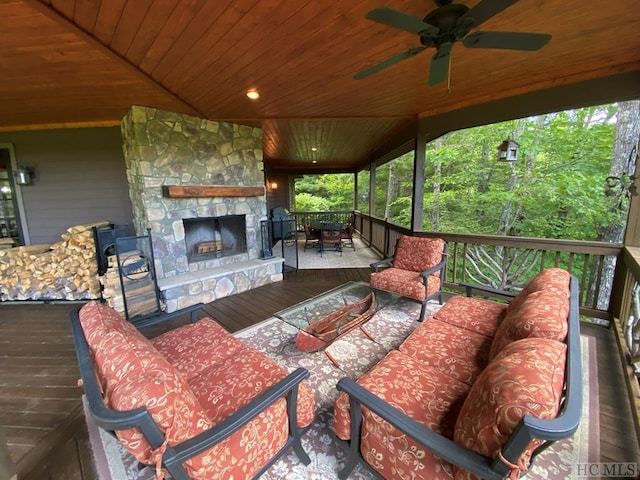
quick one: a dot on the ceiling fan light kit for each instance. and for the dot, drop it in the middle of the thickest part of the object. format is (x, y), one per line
(446, 25)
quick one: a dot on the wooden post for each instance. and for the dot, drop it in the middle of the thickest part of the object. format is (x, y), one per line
(419, 151)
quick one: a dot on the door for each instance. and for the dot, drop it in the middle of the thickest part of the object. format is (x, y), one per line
(10, 226)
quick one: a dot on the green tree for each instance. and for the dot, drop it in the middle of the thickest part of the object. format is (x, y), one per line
(335, 190)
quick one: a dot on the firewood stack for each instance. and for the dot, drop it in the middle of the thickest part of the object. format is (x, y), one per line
(65, 270)
(138, 283)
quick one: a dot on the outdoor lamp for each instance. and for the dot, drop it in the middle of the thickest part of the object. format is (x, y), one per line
(24, 175)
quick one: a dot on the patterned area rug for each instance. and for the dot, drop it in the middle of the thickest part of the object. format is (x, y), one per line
(310, 259)
(356, 354)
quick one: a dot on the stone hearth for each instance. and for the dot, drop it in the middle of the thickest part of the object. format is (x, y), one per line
(164, 151)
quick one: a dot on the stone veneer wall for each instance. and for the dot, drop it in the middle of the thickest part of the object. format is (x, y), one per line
(165, 148)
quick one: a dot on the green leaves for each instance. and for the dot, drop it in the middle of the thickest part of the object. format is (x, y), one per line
(555, 189)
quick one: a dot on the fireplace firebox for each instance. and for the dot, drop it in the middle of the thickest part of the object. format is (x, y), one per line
(209, 238)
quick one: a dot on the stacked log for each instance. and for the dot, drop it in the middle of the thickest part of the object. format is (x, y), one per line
(65, 270)
(138, 284)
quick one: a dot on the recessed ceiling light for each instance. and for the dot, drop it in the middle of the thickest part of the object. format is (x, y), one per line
(253, 94)
(314, 149)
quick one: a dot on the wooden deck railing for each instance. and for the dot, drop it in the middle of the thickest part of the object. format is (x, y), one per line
(508, 262)
(310, 218)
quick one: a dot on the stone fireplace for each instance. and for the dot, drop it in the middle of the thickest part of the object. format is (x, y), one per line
(199, 186)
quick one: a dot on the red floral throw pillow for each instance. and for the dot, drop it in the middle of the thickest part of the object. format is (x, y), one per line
(526, 378)
(541, 315)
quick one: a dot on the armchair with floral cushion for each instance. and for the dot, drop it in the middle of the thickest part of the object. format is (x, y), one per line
(416, 270)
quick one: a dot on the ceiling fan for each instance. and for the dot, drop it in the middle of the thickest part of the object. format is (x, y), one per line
(447, 24)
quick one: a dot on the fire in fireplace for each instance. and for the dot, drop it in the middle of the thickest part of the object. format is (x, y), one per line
(208, 238)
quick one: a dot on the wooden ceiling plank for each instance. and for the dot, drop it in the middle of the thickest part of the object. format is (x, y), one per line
(128, 26)
(65, 7)
(107, 21)
(242, 41)
(86, 14)
(292, 78)
(189, 38)
(93, 42)
(154, 22)
(175, 25)
(258, 64)
(213, 40)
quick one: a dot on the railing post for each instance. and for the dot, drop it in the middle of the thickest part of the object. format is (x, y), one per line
(419, 152)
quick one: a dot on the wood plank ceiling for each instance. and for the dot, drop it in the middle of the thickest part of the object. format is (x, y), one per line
(69, 63)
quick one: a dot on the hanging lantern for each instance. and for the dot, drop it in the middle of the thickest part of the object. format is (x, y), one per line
(508, 151)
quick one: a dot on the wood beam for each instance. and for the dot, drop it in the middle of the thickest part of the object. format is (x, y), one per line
(211, 191)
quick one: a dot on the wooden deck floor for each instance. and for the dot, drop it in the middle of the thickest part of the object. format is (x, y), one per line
(41, 415)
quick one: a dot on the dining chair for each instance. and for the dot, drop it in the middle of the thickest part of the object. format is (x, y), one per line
(311, 236)
(331, 235)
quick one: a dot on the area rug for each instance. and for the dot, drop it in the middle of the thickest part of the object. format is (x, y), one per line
(310, 259)
(356, 353)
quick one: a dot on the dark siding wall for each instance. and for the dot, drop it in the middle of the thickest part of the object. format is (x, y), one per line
(280, 196)
(80, 179)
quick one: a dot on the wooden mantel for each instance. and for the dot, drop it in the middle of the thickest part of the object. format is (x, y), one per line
(210, 191)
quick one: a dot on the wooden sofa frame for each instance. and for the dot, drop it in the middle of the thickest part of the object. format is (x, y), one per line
(549, 431)
(174, 456)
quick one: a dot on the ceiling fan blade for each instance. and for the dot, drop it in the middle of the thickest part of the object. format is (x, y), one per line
(440, 64)
(388, 62)
(507, 40)
(483, 11)
(401, 20)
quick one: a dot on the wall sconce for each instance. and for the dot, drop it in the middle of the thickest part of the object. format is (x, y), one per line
(274, 185)
(25, 175)
(508, 151)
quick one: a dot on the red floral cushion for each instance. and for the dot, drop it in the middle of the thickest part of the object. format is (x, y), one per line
(542, 314)
(420, 391)
(456, 352)
(418, 253)
(232, 383)
(473, 314)
(98, 319)
(194, 347)
(549, 279)
(526, 378)
(404, 282)
(246, 451)
(138, 376)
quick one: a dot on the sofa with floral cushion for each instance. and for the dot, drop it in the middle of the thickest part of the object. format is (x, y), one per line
(195, 401)
(476, 391)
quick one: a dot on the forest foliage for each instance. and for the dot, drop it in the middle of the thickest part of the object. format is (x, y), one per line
(557, 188)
